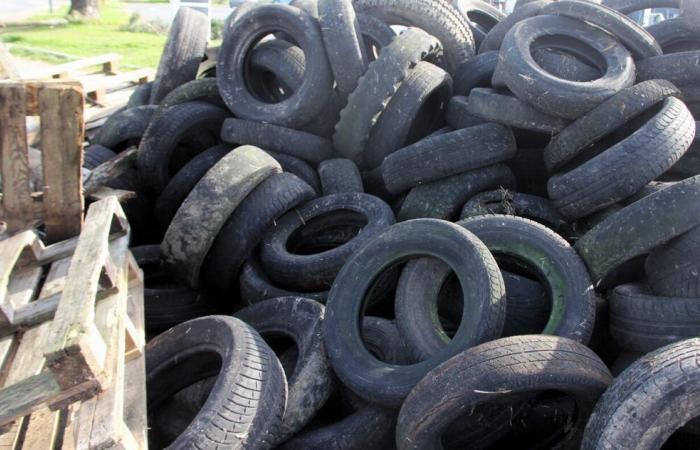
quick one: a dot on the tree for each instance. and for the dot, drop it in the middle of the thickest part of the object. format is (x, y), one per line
(85, 8)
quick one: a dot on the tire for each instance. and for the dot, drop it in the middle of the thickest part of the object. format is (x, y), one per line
(551, 260)
(674, 36)
(502, 201)
(176, 413)
(442, 199)
(344, 44)
(307, 101)
(275, 138)
(414, 112)
(562, 65)
(246, 226)
(529, 170)
(641, 322)
(141, 96)
(166, 303)
(690, 11)
(339, 176)
(316, 271)
(184, 181)
(678, 68)
(204, 89)
(189, 237)
(160, 141)
(438, 157)
(637, 40)
(95, 154)
(609, 116)
(482, 17)
(438, 18)
(493, 106)
(513, 367)
(255, 286)
(125, 127)
(388, 385)
(376, 87)
(383, 340)
(630, 6)
(556, 96)
(672, 269)
(458, 117)
(477, 72)
(247, 402)
(655, 219)
(298, 167)
(184, 50)
(375, 34)
(494, 38)
(311, 382)
(626, 167)
(650, 400)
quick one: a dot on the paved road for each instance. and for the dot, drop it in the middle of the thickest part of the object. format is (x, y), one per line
(163, 12)
(13, 10)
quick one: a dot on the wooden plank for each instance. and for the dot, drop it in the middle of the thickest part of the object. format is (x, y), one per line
(95, 83)
(61, 112)
(41, 430)
(72, 67)
(135, 371)
(14, 154)
(8, 68)
(15, 252)
(33, 87)
(78, 351)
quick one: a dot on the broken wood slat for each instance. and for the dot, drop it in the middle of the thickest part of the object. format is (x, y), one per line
(108, 61)
(61, 112)
(94, 83)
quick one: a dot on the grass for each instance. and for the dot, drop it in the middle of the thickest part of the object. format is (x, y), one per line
(88, 38)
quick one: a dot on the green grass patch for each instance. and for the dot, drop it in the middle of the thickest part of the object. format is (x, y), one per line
(88, 38)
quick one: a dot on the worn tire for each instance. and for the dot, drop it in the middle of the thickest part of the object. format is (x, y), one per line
(298, 167)
(246, 404)
(255, 286)
(482, 17)
(125, 127)
(630, 6)
(494, 38)
(678, 68)
(673, 270)
(141, 96)
(189, 237)
(690, 12)
(184, 50)
(447, 154)
(476, 72)
(458, 117)
(339, 175)
(204, 89)
(95, 154)
(503, 201)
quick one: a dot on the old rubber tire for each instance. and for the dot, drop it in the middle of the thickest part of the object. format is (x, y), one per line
(457, 115)
(630, 6)
(512, 367)
(302, 106)
(494, 38)
(673, 269)
(255, 285)
(94, 155)
(140, 96)
(503, 201)
(655, 219)
(476, 72)
(311, 382)
(678, 68)
(447, 154)
(247, 225)
(125, 127)
(358, 369)
(339, 175)
(190, 236)
(316, 271)
(649, 401)
(246, 404)
(184, 50)
(205, 89)
(690, 12)
(298, 167)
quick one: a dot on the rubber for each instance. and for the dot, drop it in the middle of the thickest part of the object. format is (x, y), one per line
(205, 89)
(184, 50)
(637, 40)
(436, 17)
(246, 404)
(448, 154)
(457, 115)
(375, 34)
(503, 201)
(482, 17)
(641, 322)
(300, 144)
(185, 179)
(494, 106)
(656, 219)
(380, 382)
(605, 119)
(556, 96)
(339, 175)
(298, 167)
(246, 226)
(673, 35)
(140, 96)
(672, 269)
(316, 271)
(476, 72)
(552, 261)
(378, 85)
(689, 14)
(443, 199)
(281, 59)
(307, 101)
(627, 166)
(494, 38)
(95, 154)
(653, 398)
(189, 237)
(255, 285)
(414, 112)
(383, 340)
(630, 6)
(344, 44)
(511, 367)
(125, 127)
(678, 68)
(160, 141)
(311, 382)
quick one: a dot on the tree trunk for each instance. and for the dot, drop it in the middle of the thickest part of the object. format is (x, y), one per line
(85, 8)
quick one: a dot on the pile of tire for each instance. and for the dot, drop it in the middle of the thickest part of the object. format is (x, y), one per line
(370, 224)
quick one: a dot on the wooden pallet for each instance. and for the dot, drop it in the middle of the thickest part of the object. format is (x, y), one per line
(76, 380)
(58, 202)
